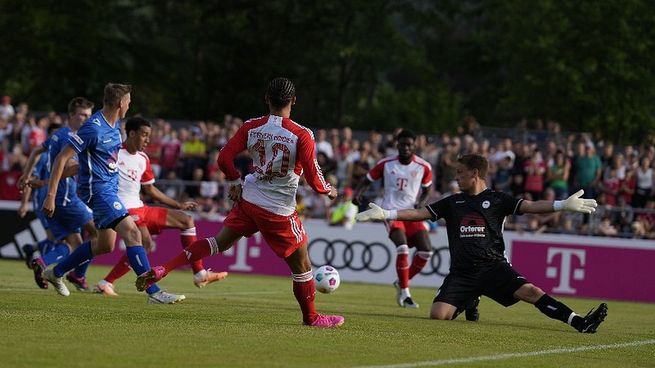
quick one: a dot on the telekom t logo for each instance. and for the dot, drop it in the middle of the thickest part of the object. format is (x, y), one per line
(565, 268)
(401, 183)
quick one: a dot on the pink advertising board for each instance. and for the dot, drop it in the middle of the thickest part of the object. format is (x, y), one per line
(251, 255)
(604, 271)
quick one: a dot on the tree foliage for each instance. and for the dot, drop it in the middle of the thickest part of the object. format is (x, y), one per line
(363, 63)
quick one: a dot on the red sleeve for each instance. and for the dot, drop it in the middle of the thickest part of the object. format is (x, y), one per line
(427, 176)
(234, 146)
(377, 171)
(307, 156)
(148, 177)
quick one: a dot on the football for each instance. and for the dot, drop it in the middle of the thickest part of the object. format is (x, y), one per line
(326, 279)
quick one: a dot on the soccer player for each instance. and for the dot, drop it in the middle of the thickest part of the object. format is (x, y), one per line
(97, 143)
(135, 173)
(407, 181)
(72, 214)
(474, 222)
(37, 195)
(266, 200)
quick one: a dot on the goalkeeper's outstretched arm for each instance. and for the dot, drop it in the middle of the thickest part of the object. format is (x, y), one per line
(377, 213)
(574, 203)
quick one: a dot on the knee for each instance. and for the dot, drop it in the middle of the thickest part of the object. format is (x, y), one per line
(529, 293)
(441, 315)
(132, 236)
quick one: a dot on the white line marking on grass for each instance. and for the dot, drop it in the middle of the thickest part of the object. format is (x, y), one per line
(512, 355)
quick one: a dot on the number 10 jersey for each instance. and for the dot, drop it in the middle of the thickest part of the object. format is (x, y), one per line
(281, 150)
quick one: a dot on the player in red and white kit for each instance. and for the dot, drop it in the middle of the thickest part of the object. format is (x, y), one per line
(404, 175)
(135, 173)
(282, 150)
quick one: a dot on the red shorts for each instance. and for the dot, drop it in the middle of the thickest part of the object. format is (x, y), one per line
(154, 218)
(284, 234)
(410, 228)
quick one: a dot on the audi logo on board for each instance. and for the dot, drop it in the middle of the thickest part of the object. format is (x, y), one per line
(373, 257)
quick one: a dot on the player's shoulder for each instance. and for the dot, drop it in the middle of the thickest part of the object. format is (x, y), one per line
(255, 122)
(143, 155)
(297, 128)
(421, 161)
(388, 160)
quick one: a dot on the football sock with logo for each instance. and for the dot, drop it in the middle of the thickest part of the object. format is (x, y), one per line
(80, 270)
(194, 252)
(58, 253)
(304, 291)
(138, 259)
(188, 237)
(557, 310)
(121, 268)
(402, 265)
(418, 262)
(82, 254)
(45, 246)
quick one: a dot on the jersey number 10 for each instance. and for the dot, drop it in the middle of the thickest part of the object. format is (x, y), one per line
(264, 160)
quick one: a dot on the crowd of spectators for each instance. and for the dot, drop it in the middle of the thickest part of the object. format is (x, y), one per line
(537, 163)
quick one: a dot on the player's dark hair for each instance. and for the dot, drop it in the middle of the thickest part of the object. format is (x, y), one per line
(280, 92)
(114, 92)
(473, 161)
(79, 103)
(52, 127)
(135, 123)
(406, 134)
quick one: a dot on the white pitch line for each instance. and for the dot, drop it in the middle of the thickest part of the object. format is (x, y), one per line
(511, 355)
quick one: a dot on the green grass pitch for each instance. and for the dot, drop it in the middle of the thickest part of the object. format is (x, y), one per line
(254, 321)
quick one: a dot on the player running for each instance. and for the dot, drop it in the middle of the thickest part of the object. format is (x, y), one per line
(266, 201)
(72, 214)
(135, 173)
(407, 180)
(97, 143)
(474, 222)
(36, 195)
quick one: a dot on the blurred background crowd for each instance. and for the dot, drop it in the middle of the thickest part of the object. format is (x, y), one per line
(535, 160)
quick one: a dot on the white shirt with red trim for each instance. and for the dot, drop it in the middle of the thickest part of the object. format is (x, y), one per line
(281, 150)
(402, 183)
(133, 171)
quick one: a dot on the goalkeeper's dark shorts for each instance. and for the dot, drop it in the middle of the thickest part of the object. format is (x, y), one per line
(498, 282)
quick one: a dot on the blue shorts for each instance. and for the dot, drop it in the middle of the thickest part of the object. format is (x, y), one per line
(69, 219)
(37, 203)
(108, 210)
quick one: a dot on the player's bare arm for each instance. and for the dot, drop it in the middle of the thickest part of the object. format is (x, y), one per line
(29, 166)
(423, 198)
(160, 197)
(25, 195)
(57, 170)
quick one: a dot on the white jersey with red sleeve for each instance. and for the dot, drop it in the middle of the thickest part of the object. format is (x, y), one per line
(281, 150)
(402, 183)
(133, 171)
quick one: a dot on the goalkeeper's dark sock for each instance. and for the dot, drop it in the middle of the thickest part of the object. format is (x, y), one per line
(558, 310)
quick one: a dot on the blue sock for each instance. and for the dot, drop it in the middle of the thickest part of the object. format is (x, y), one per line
(82, 254)
(45, 246)
(80, 270)
(140, 264)
(58, 253)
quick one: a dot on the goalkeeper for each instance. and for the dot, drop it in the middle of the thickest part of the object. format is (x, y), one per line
(474, 222)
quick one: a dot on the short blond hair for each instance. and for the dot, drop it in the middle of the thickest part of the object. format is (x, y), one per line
(114, 92)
